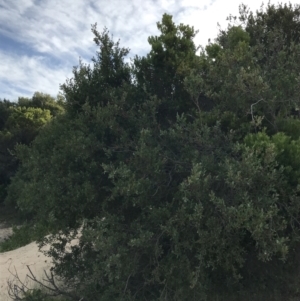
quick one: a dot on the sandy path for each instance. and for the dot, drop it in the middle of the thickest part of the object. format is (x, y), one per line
(17, 260)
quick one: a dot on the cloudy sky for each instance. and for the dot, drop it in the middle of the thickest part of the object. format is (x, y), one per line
(41, 40)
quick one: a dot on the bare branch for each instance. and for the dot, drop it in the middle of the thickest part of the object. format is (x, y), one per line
(252, 108)
(17, 288)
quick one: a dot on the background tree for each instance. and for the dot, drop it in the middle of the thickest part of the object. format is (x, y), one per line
(45, 102)
(4, 114)
(19, 124)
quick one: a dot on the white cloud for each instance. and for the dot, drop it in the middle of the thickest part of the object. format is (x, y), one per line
(60, 31)
(29, 74)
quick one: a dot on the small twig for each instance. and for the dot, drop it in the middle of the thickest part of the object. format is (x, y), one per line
(49, 280)
(127, 283)
(14, 290)
(252, 108)
(170, 179)
(155, 192)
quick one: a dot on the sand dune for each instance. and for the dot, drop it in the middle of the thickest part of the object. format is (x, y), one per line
(17, 261)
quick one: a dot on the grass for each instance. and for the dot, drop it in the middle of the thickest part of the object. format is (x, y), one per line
(21, 236)
(23, 232)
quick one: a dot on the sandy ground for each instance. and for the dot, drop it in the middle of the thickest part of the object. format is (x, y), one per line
(17, 261)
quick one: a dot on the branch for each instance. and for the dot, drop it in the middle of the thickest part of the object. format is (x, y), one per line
(18, 291)
(252, 108)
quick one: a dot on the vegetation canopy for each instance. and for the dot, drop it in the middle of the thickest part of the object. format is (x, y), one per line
(181, 168)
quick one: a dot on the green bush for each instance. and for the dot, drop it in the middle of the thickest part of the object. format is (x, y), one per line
(22, 236)
(174, 202)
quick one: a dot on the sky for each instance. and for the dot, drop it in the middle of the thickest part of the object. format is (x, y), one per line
(42, 40)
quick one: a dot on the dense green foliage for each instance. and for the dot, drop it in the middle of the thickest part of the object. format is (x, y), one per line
(181, 169)
(162, 71)
(19, 124)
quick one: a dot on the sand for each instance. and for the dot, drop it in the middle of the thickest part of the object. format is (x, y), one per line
(17, 261)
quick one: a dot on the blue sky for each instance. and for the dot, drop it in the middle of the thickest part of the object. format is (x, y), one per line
(41, 40)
